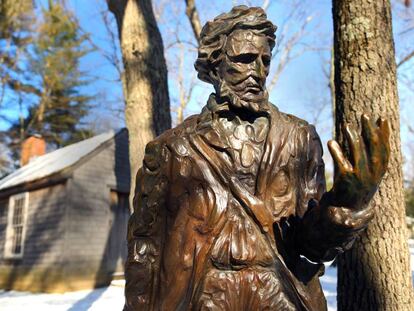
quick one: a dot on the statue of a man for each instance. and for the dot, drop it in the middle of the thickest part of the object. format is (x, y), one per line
(231, 211)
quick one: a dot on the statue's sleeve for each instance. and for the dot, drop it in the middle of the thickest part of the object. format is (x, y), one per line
(145, 231)
(320, 234)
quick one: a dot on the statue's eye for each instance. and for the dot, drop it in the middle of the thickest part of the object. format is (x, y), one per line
(244, 58)
(266, 60)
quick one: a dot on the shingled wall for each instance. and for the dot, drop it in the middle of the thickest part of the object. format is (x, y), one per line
(74, 234)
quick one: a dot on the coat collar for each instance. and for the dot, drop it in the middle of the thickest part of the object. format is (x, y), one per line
(209, 128)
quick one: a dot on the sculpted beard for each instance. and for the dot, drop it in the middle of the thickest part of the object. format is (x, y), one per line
(247, 93)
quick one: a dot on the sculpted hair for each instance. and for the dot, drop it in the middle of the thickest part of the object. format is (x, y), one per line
(214, 36)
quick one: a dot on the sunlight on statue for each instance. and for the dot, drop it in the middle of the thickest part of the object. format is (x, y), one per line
(231, 211)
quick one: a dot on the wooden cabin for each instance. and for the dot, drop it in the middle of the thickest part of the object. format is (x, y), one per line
(63, 216)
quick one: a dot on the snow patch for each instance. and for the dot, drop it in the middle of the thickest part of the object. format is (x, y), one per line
(111, 298)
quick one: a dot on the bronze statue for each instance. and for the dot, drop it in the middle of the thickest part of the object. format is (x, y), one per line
(231, 211)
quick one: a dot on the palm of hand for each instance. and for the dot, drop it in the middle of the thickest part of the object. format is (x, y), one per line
(357, 178)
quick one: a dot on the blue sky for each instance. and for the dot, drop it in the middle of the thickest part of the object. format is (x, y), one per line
(302, 89)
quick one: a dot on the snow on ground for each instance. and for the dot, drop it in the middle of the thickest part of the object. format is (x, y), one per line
(329, 287)
(111, 298)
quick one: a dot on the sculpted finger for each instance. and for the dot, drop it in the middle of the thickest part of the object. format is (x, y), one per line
(384, 128)
(370, 134)
(361, 219)
(340, 161)
(380, 156)
(358, 152)
(353, 143)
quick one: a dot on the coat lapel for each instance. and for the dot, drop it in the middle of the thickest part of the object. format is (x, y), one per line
(277, 150)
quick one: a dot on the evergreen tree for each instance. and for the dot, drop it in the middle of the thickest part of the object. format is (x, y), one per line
(16, 31)
(60, 104)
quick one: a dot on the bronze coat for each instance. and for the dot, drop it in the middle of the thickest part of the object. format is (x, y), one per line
(181, 205)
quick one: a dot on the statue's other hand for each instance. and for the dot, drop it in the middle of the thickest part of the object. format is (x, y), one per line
(357, 178)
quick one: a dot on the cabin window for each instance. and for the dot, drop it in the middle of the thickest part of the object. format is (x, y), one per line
(16, 225)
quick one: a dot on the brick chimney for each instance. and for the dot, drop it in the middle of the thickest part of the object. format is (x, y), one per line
(32, 147)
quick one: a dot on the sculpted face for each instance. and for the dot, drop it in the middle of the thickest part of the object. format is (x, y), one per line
(245, 68)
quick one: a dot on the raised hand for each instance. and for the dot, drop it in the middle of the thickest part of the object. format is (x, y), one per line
(357, 178)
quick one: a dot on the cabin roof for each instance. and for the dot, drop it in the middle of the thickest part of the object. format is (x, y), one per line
(55, 161)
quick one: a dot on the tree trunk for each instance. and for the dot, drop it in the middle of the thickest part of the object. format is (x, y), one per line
(375, 274)
(194, 19)
(147, 111)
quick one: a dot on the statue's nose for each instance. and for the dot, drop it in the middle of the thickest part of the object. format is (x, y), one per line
(260, 68)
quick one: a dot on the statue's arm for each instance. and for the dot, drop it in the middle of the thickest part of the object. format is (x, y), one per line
(334, 218)
(144, 233)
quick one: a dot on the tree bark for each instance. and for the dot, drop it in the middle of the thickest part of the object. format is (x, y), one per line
(147, 111)
(194, 19)
(375, 274)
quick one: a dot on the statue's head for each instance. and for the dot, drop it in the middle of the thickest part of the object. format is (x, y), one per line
(234, 55)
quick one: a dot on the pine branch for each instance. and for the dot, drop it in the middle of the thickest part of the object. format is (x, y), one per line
(22, 87)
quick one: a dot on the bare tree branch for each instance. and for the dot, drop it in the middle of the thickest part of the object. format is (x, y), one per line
(113, 56)
(184, 95)
(180, 78)
(192, 14)
(405, 59)
(159, 9)
(406, 79)
(179, 41)
(286, 51)
(265, 4)
(117, 7)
